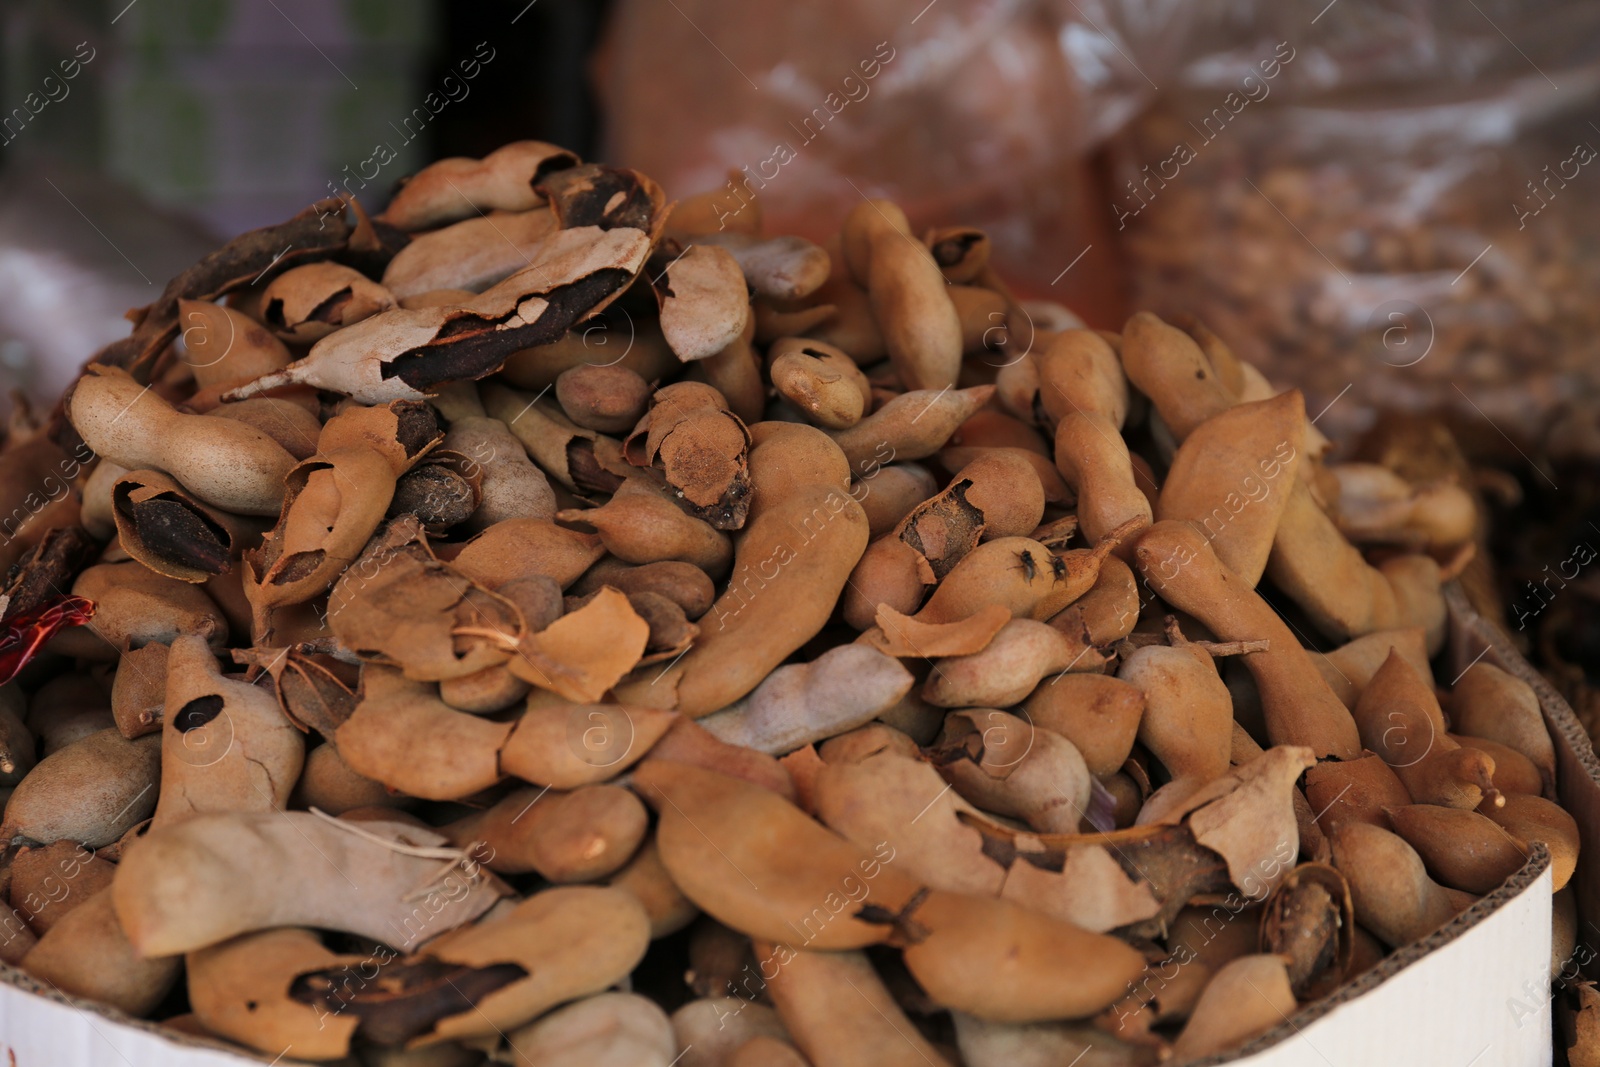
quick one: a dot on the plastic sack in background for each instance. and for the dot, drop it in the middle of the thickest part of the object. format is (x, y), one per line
(1390, 205)
(978, 112)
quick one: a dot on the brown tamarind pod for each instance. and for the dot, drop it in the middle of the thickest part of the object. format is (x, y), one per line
(775, 319)
(581, 836)
(49, 882)
(87, 954)
(686, 741)
(566, 745)
(1393, 895)
(1462, 849)
(888, 575)
(1008, 668)
(91, 791)
(890, 493)
(639, 525)
(1006, 765)
(1494, 704)
(719, 210)
(1166, 365)
(606, 399)
(240, 989)
(913, 425)
(1232, 476)
(800, 703)
(682, 583)
(1348, 668)
(280, 417)
(328, 783)
(1105, 614)
(819, 379)
(1079, 373)
(1094, 460)
(565, 451)
(782, 268)
(700, 447)
(862, 225)
(1246, 997)
(1400, 719)
(62, 712)
(1359, 789)
(646, 877)
(1513, 772)
(1098, 713)
(1018, 573)
(703, 299)
(962, 252)
(1213, 935)
(224, 347)
(1178, 563)
(447, 190)
(524, 548)
(1187, 723)
(468, 256)
(614, 338)
(1534, 819)
(510, 485)
(1309, 920)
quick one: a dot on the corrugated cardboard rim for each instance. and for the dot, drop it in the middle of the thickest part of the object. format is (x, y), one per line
(1471, 638)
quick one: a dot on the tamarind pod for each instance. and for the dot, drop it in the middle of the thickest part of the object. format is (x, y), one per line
(920, 325)
(1005, 765)
(581, 836)
(224, 346)
(1093, 459)
(755, 862)
(515, 549)
(721, 210)
(1213, 935)
(1535, 819)
(981, 314)
(1079, 373)
(240, 990)
(682, 583)
(95, 513)
(607, 399)
(646, 877)
(863, 741)
(610, 339)
(1350, 667)
(888, 575)
(1001, 484)
(798, 704)
(91, 791)
(1105, 614)
(703, 301)
(1393, 895)
(1376, 505)
(1253, 824)
(571, 942)
(890, 493)
(512, 486)
(328, 784)
(565, 745)
(49, 882)
(1053, 485)
(225, 746)
(1232, 372)
(711, 1029)
(1219, 469)
(962, 252)
(1246, 997)
(1003, 962)
(1360, 790)
(686, 741)
(1017, 388)
(1187, 722)
(780, 268)
(65, 710)
(864, 223)
(469, 255)
(447, 190)
(773, 322)
(605, 1030)
(561, 448)
(1310, 920)
(637, 525)
(309, 302)
(1461, 849)
(786, 457)
(1021, 574)
(1009, 668)
(1513, 772)
(1496, 705)
(899, 798)
(819, 379)
(1299, 708)
(212, 877)
(403, 735)
(1098, 713)
(1046, 1044)
(164, 528)
(1400, 719)
(226, 463)
(88, 955)
(1166, 365)
(914, 425)
(991, 428)
(839, 1012)
(279, 417)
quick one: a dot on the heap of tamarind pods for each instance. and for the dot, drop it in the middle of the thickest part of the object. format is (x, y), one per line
(547, 622)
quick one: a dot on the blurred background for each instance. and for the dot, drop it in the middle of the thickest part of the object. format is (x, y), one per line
(1387, 202)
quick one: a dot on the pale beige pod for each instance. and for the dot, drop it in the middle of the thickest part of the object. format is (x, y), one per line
(704, 303)
(780, 268)
(1009, 668)
(88, 955)
(92, 791)
(819, 379)
(224, 346)
(710, 1029)
(605, 1030)
(469, 255)
(512, 486)
(460, 187)
(1496, 705)
(307, 303)
(134, 607)
(1246, 997)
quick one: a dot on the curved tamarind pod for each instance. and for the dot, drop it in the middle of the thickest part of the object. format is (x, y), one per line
(307, 303)
(686, 741)
(1108, 612)
(1461, 849)
(1349, 668)
(1017, 388)
(991, 428)
(279, 417)
(890, 493)
(212, 877)
(1044, 468)
(224, 346)
(459, 187)
(888, 576)
(787, 456)
(839, 1012)
(1246, 997)
(560, 447)
(1534, 819)
(682, 583)
(515, 549)
(327, 782)
(735, 372)
(1400, 720)
(50, 882)
(819, 379)
(702, 296)
(1020, 574)
(1079, 373)
(1360, 790)
(225, 746)
(1232, 476)
(403, 735)
(1319, 569)
(1376, 505)
(798, 704)
(91, 791)
(913, 425)
(470, 255)
(1178, 563)
(1008, 668)
(1213, 935)
(758, 864)
(780, 268)
(982, 315)
(1166, 365)
(1393, 895)
(512, 486)
(646, 877)
(1001, 484)
(240, 989)
(581, 836)
(605, 1030)
(1006, 765)
(1496, 705)
(1094, 460)
(639, 525)
(864, 223)
(225, 463)
(1232, 372)
(1187, 722)
(1098, 713)
(962, 252)
(87, 954)
(606, 399)
(848, 324)
(566, 745)
(1007, 963)
(1513, 772)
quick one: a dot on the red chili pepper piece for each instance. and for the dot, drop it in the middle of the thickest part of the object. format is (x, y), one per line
(22, 635)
